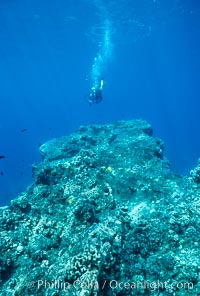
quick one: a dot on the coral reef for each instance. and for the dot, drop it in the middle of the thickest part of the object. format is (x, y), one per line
(105, 215)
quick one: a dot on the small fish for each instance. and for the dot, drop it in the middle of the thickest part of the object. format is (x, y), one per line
(1, 173)
(2, 156)
(23, 130)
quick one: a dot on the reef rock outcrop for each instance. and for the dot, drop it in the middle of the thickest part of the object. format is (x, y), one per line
(105, 215)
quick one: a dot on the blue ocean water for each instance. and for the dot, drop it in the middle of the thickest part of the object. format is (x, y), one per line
(53, 53)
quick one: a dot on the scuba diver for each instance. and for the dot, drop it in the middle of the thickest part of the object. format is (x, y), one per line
(95, 94)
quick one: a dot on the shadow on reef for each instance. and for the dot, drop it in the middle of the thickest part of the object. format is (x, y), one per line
(105, 215)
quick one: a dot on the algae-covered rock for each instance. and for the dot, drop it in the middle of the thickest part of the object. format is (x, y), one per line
(105, 215)
(195, 174)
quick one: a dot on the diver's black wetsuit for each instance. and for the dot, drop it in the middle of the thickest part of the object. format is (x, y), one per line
(95, 96)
